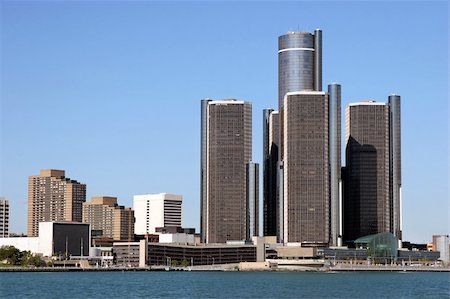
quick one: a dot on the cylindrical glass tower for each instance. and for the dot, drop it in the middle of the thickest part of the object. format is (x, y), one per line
(299, 62)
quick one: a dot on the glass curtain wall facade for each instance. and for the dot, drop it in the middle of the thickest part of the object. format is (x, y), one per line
(381, 248)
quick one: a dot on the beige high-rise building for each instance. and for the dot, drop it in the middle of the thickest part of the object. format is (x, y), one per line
(109, 219)
(4, 217)
(53, 197)
(226, 151)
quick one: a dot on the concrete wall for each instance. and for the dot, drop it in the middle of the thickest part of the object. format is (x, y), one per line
(296, 252)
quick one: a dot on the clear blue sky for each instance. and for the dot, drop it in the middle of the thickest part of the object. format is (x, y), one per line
(110, 91)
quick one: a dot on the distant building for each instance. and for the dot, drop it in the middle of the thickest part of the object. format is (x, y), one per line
(156, 210)
(53, 197)
(174, 234)
(441, 244)
(109, 219)
(372, 183)
(226, 149)
(4, 217)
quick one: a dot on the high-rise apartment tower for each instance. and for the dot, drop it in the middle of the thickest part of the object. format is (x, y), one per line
(108, 219)
(53, 197)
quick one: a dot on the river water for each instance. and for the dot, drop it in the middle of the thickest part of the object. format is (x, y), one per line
(223, 285)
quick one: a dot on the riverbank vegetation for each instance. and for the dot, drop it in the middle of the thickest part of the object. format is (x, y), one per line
(11, 256)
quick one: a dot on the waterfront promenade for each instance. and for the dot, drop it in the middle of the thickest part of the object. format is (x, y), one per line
(237, 267)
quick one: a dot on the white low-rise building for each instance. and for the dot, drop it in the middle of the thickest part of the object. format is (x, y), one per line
(60, 238)
(156, 210)
(178, 238)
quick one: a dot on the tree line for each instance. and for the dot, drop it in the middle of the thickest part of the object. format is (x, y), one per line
(11, 256)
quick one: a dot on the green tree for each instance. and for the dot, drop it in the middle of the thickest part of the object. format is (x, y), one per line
(184, 263)
(11, 254)
(15, 257)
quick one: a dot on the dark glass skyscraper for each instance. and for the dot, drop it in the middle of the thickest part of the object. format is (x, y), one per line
(372, 181)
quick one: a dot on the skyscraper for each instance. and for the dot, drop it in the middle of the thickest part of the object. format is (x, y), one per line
(4, 217)
(270, 160)
(299, 62)
(53, 197)
(226, 148)
(109, 219)
(156, 210)
(372, 182)
(252, 200)
(299, 67)
(306, 168)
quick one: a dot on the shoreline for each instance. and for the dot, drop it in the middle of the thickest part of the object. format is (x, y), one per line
(224, 269)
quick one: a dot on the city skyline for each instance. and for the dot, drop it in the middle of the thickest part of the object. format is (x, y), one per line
(112, 105)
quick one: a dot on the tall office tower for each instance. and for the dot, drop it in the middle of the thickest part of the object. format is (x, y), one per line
(156, 210)
(226, 149)
(108, 219)
(270, 157)
(372, 182)
(299, 69)
(306, 168)
(4, 217)
(334, 92)
(252, 200)
(53, 197)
